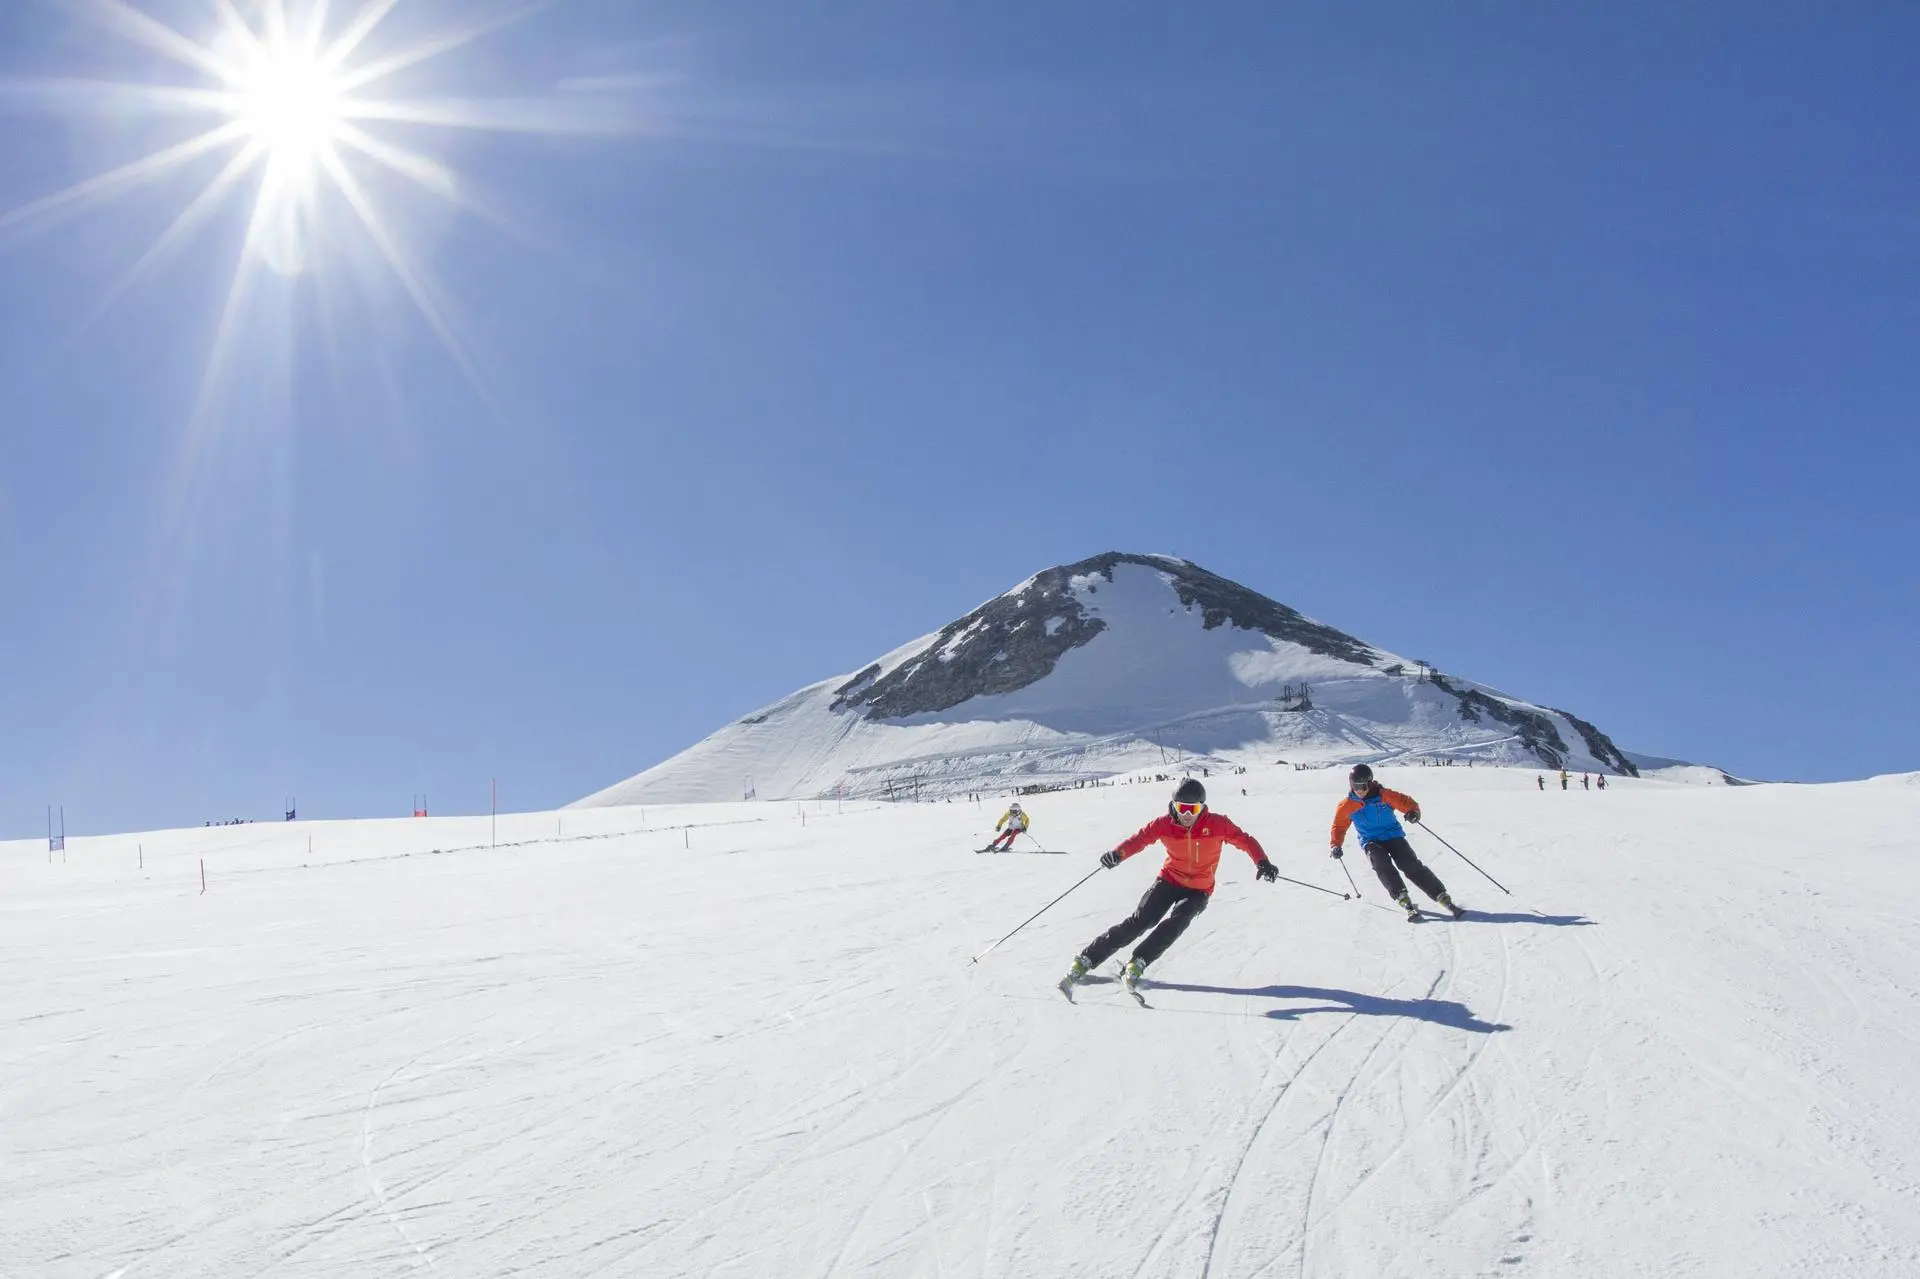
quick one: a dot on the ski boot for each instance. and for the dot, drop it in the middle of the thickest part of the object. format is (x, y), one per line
(1446, 899)
(1079, 970)
(1406, 904)
(1131, 976)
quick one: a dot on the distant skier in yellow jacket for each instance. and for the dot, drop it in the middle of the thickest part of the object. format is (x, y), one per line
(1015, 825)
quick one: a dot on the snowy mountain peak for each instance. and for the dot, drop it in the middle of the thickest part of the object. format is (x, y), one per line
(1017, 639)
(1113, 664)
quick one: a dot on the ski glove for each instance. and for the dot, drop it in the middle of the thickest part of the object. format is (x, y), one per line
(1337, 852)
(1266, 870)
(1413, 815)
(1110, 858)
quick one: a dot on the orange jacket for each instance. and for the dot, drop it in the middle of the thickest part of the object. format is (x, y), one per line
(1343, 815)
(1193, 853)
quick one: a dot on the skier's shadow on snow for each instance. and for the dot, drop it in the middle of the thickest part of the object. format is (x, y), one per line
(1510, 917)
(1441, 1012)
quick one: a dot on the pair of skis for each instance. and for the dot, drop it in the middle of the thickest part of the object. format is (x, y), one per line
(1418, 915)
(1066, 988)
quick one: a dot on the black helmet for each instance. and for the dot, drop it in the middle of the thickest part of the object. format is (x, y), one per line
(1360, 776)
(1190, 792)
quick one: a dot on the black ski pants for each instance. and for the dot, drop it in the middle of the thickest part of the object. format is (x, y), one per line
(1178, 904)
(1386, 854)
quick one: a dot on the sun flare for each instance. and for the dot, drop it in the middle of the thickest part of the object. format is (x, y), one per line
(307, 112)
(292, 102)
(306, 129)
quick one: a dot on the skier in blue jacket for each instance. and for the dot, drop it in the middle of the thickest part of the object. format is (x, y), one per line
(1369, 808)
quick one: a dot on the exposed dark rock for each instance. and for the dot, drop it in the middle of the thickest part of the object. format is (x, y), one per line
(1599, 745)
(1222, 601)
(854, 686)
(1537, 733)
(1015, 640)
(1005, 644)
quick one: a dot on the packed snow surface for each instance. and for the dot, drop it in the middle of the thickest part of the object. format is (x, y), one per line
(746, 1040)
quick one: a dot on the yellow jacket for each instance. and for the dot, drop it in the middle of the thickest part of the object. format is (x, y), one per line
(1018, 819)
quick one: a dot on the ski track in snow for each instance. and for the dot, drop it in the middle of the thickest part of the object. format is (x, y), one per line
(1452, 1087)
(381, 1200)
(1331, 1122)
(619, 1053)
(1288, 1090)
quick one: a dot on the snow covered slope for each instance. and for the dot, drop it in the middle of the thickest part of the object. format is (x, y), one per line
(1679, 770)
(1114, 664)
(745, 1040)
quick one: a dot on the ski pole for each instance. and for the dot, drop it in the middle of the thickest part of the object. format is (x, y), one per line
(1315, 887)
(1036, 914)
(1463, 857)
(1036, 843)
(1350, 884)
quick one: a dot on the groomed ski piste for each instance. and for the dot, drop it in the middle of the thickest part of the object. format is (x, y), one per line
(746, 1040)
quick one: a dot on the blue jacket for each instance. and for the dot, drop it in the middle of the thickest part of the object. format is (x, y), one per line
(1373, 817)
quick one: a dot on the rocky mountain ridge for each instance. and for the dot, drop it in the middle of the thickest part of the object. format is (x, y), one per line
(1107, 665)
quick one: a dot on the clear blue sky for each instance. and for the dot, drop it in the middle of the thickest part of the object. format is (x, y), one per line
(1577, 351)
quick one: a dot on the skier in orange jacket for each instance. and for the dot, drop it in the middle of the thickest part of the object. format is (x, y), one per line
(1369, 808)
(1193, 837)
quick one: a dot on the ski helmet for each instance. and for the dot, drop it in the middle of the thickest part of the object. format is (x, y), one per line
(1360, 776)
(1190, 792)
(1014, 807)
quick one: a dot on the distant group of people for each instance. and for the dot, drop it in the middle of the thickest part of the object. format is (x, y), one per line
(1587, 781)
(1425, 762)
(1082, 783)
(236, 821)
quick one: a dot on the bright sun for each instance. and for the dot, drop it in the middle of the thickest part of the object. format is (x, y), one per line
(292, 102)
(306, 117)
